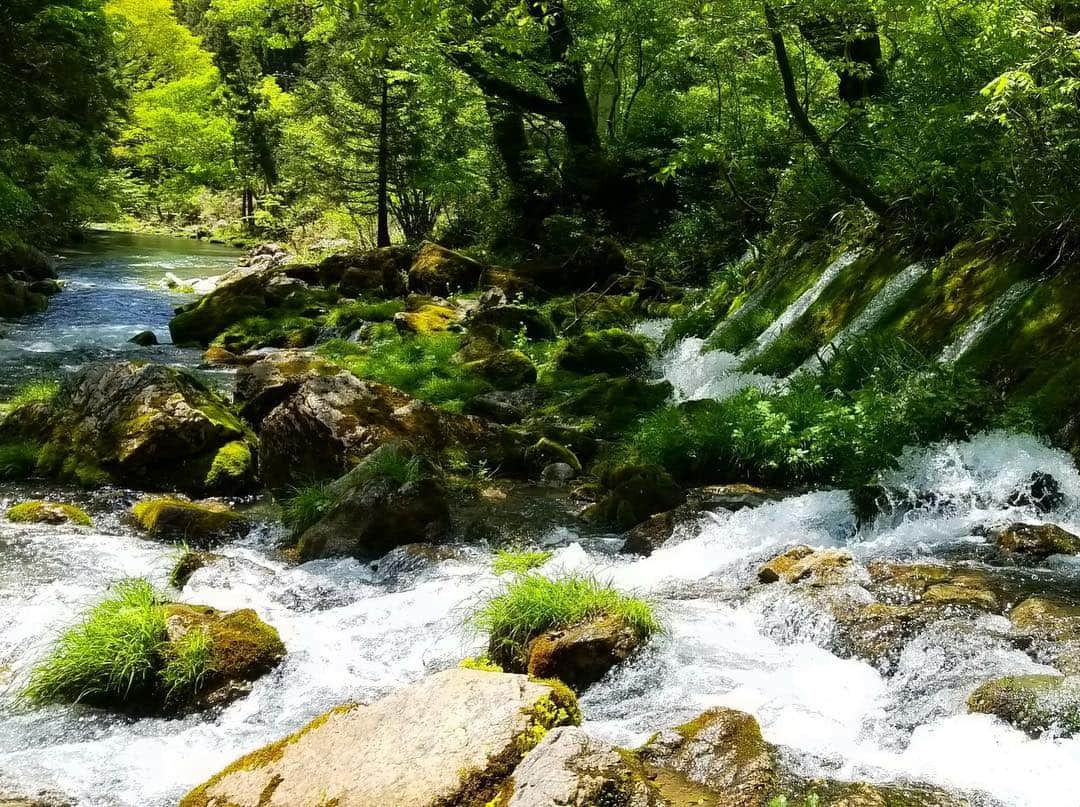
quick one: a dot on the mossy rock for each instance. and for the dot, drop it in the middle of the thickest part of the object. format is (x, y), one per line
(233, 467)
(544, 452)
(1038, 541)
(512, 319)
(613, 351)
(635, 493)
(1032, 703)
(581, 655)
(179, 520)
(437, 270)
(505, 370)
(187, 564)
(427, 318)
(42, 512)
(615, 404)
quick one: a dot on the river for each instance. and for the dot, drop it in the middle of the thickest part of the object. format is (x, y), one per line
(355, 631)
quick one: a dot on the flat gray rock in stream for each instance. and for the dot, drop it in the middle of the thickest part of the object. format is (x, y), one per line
(451, 738)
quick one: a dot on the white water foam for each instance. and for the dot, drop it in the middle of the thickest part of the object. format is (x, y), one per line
(698, 374)
(985, 322)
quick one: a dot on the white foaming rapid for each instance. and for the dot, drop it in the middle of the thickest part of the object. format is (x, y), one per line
(355, 632)
(985, 322)
(698, 374)
(883, 302)
(803, 304)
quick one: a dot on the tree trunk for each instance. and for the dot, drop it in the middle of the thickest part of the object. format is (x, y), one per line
(855, 184)
(383, 238)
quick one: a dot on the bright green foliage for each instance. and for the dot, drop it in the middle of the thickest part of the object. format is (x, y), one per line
(18, 460)
(417, 364)
(837, 428)
(389, 462)
(187, 663)
(304, 507)
(113, 653)
(531, 604)
(519, 561)
(351, 316)
(42, 391)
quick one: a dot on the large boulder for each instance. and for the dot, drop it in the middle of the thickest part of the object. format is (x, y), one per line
(452, 738)
(505, 370)
(148, 427)
(375, 271)
(437, 270)
(201, 321)
(262, 385)
(373, 512)
(327, 424)
(635, 493)
(613, 352)
(17, 298)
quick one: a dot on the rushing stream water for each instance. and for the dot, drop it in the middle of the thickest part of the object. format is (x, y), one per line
(355, 631)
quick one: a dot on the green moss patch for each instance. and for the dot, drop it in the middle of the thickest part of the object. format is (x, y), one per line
(232, 467)
(181, 520)
(42, 512)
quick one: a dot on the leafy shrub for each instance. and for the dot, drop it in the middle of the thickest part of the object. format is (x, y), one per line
(113, 653)
(838, 428)
(518, 561)
(532, 604)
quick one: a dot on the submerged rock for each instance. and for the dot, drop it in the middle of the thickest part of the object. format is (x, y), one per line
(41, 512)
(146, 426)
(582, 655)
(144, 339)
(1037, 541)
(198, 523)
(452, 738)
(1032, 703)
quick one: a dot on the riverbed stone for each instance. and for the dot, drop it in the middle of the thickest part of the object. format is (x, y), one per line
(803, 564)
(44, 512)
(146, 426)
(582, 654)
(571, 769)
(1047, 619)
(451, 738)
(438, 270)
(144, 339)
(1037, 541)
(197, 523)
(1032, 703)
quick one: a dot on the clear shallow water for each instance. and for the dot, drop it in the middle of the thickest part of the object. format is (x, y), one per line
(111, 293)
(356, 631)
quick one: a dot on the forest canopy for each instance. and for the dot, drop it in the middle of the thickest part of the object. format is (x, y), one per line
(690, 125)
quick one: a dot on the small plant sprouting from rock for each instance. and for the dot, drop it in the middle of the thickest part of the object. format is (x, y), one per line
(519, 561)
(391, 462)
(305, 506)
(532, 604)
(188, 662)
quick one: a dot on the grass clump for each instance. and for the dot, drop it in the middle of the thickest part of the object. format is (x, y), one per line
(18, 459)
(839, 427)
(40, 391)
(187, 663)
(421, 365)
(532, 604)
(519, 561)
(112, 654)
(305, 506)
(390, 462)
(351, 316)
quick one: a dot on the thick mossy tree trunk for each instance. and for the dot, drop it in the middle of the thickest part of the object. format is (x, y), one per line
(852, 182)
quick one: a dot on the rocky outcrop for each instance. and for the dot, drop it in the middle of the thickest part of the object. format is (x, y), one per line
(197, 523)
(1037, 541)
(583, 654)
(437, 270)
(380, 272)
(146, 426)
(452, 738)
(328, 423)
(373, 512)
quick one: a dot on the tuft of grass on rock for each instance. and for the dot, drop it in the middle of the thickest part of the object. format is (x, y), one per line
(531, 604)
(305, 506)
(519, 561)
(112, 654)
(187, 663)
(37, 391)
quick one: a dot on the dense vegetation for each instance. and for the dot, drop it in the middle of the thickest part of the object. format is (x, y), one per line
(683, 126)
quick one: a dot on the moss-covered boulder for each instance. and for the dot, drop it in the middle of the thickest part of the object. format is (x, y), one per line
(582, 654)
(198, 523)
(201, 321)
(1037, 541)
(391, 499)
(1047, 619)
(452, 738)
(427, 318)
(634, 493)
(380, 271)
(545, 452)
(437, 270)
(613, 352)
(512, 320)
(42, 512)
(505, 370)
(1032, 703)
(146, 426)
(615, 403)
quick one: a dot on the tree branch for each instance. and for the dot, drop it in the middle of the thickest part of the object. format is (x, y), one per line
(492, 85)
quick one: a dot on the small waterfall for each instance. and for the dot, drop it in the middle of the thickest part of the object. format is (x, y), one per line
(986, 321)
(891, 293)
(698, 374)
(796, 310)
